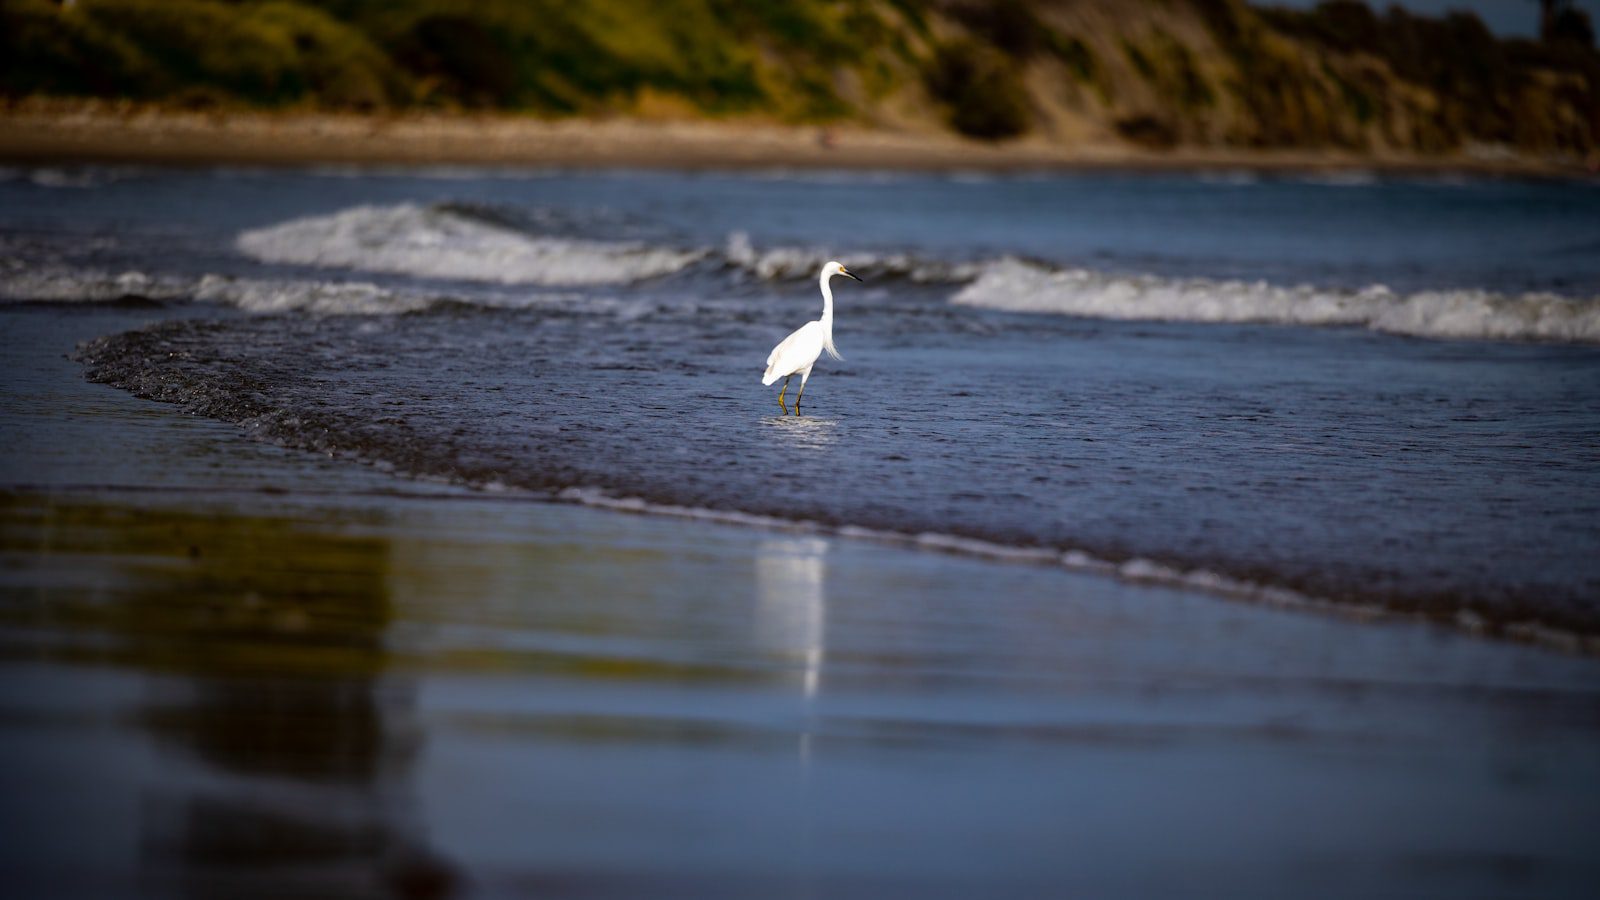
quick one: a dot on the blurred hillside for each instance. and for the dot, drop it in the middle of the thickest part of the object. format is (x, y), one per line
(1177, 73)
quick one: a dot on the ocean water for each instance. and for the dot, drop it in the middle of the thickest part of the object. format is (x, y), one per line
(229, 668)
(1364, 391)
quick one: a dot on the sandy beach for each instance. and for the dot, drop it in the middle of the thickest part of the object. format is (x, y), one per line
(86, 132)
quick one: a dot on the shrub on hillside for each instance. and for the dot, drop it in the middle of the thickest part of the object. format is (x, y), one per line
(261, 53)
(47, 52)
(981, 90)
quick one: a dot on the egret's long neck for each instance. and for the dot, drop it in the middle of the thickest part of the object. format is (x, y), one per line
(827, 316)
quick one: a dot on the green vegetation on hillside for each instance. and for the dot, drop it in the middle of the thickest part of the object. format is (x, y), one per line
(1173, 72)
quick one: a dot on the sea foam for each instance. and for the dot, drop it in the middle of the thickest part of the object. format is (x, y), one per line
(59, 284)
(798, 262)
(440, 242)
(452, 242)
(1018, 286)
(55, 284)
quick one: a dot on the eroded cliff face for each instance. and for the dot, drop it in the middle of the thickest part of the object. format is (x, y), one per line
(1219, 73)
(1165, 73)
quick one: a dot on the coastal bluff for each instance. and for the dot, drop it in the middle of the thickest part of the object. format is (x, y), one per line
(1079, 76)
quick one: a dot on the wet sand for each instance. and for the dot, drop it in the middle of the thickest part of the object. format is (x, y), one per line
(63, 133)
(229, 669)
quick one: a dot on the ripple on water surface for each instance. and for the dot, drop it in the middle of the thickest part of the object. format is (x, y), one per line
(1344, 465)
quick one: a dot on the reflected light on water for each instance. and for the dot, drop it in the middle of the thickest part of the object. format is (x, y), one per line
(791, 613)
(803, 432)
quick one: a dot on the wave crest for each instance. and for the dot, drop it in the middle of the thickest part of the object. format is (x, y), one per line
(1017, 286)
(53, 284)
(440, 242)
(257, 295)
(785, 263)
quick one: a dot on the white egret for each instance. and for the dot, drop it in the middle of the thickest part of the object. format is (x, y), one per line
(799, 351)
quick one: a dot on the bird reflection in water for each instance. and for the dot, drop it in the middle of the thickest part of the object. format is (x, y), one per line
(792, 613)
(805, 432)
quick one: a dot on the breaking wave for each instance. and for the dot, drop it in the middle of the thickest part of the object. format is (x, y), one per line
(55, 284)
(451, 243)
(1018, 286)
(507, 251)
(321, 297)
(254, 295)
(454, 241)
(67, 285)
(784, 263)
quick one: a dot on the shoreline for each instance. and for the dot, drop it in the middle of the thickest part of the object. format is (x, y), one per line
(1131, 572)
(89, 134)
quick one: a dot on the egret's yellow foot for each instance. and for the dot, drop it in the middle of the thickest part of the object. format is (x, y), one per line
(780, 397)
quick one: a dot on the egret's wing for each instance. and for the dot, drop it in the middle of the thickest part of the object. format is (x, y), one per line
(795, 352)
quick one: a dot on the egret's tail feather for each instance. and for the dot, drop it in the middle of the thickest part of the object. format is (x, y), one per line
(769, 377)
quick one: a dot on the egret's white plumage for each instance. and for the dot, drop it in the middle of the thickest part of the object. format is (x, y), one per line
(797, 353)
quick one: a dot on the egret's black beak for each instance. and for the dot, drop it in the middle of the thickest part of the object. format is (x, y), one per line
(844, 271)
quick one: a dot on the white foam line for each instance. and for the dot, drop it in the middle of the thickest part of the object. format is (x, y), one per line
(949, 543)
(447, 243)
(786, 262)
(20, 283)
(60, 285)
(1015, 285)
(1136, 570)
(434, 242)
(601, 500)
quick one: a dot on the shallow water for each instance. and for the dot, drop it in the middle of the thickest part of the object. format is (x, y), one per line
(372, 698)
(227, 669)
(601, 336)
(1419, 475)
